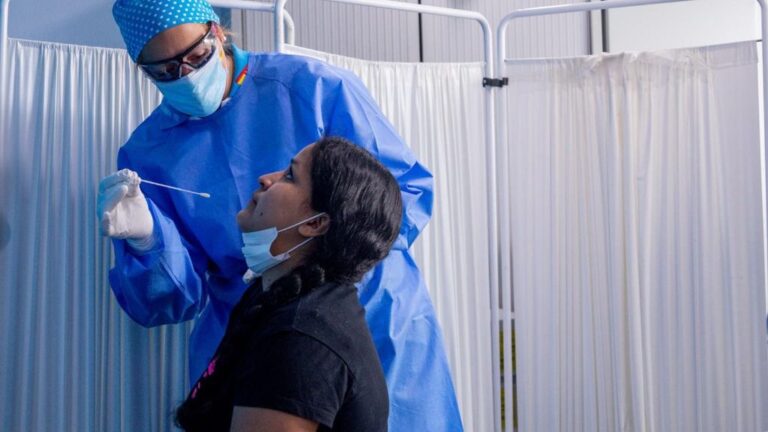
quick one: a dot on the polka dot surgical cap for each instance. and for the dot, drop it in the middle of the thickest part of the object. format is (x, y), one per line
(141, 20)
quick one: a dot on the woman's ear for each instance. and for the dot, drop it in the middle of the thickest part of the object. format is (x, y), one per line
(316, 227)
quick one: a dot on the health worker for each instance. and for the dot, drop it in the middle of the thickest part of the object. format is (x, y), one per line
(227, 117)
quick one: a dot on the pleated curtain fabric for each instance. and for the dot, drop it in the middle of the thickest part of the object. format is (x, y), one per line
(71, 360)
(439, 110)
(634, 207)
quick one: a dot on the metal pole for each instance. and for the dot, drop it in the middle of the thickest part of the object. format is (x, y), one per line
(5, 64)
(243, 4)
(505, 266)
(439, 11)
(290, 28)
(583, 7)
(290, 35)
(764, 59)
(561, 9)
(415, 7)
(279, 25)
(505, 250)
(4, 9)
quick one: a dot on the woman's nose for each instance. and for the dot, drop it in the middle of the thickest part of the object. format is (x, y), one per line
(267, 180)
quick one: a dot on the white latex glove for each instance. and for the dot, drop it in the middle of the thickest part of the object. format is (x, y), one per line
(123, 211)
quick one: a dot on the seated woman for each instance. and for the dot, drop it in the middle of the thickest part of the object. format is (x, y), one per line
(297, 354)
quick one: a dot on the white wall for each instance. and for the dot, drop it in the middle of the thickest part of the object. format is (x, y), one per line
(448, 39)
(354, 31)
(686, 24)
(82, 22)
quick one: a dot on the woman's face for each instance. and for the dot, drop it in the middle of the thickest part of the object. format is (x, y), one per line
(282, 200)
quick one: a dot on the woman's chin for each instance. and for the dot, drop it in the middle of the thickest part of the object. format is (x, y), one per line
(242, 220)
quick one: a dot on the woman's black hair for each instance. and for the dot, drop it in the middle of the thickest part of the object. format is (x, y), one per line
(362, 200)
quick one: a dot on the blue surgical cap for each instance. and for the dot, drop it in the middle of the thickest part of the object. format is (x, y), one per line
(141, 20)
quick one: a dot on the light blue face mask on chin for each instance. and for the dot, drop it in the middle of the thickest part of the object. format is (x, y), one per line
(257, 249)
(199, 93)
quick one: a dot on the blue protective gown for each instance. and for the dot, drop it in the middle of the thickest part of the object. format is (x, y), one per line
(194, 270)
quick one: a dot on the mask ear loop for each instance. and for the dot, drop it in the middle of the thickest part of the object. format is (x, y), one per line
(288, 252)
(301, 222)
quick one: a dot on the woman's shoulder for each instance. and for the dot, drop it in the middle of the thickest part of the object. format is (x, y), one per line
(333, 315)
(320, 309)
(330, 314)
(296, 373)
(333, 304)
(320, 341)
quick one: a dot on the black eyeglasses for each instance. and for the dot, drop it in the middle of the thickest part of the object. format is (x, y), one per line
(196, 56)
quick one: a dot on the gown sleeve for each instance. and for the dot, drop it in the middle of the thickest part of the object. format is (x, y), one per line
(164, 285)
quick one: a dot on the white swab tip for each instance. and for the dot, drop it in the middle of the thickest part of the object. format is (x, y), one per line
(205, 195)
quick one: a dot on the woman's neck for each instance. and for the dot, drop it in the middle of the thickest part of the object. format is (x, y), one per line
(272, 275)
(296, 259)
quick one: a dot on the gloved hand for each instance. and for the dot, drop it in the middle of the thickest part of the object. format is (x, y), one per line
(123, 211)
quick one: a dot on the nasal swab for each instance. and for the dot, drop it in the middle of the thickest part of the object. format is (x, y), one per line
(202, 194)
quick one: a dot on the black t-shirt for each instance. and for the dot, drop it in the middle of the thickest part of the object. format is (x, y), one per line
(314, 358)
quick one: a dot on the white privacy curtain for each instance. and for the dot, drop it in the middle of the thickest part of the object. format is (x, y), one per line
(439, 111)
(634, 200)
(71, 360)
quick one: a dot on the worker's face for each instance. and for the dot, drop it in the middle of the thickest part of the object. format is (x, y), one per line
(184, 38)
(282, 200)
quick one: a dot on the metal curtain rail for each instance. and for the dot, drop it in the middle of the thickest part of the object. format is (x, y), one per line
(279, 14)
(284, 25)
(5, 67)
(614, 4)
(4, 8)
(285, 22)
(438, 11)
(490, 128)
(561, 9)
(281, 17)
(506, 268)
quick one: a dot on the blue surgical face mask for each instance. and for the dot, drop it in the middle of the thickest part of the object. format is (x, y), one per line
(257, 249)
(199, 93)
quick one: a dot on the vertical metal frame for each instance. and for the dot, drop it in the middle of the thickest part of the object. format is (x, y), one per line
(503, 152)
(278, 26)
(4, 9)
(5, 63)
(284, 26)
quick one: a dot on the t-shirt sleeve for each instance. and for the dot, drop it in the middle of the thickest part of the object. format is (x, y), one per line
(294, 373)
